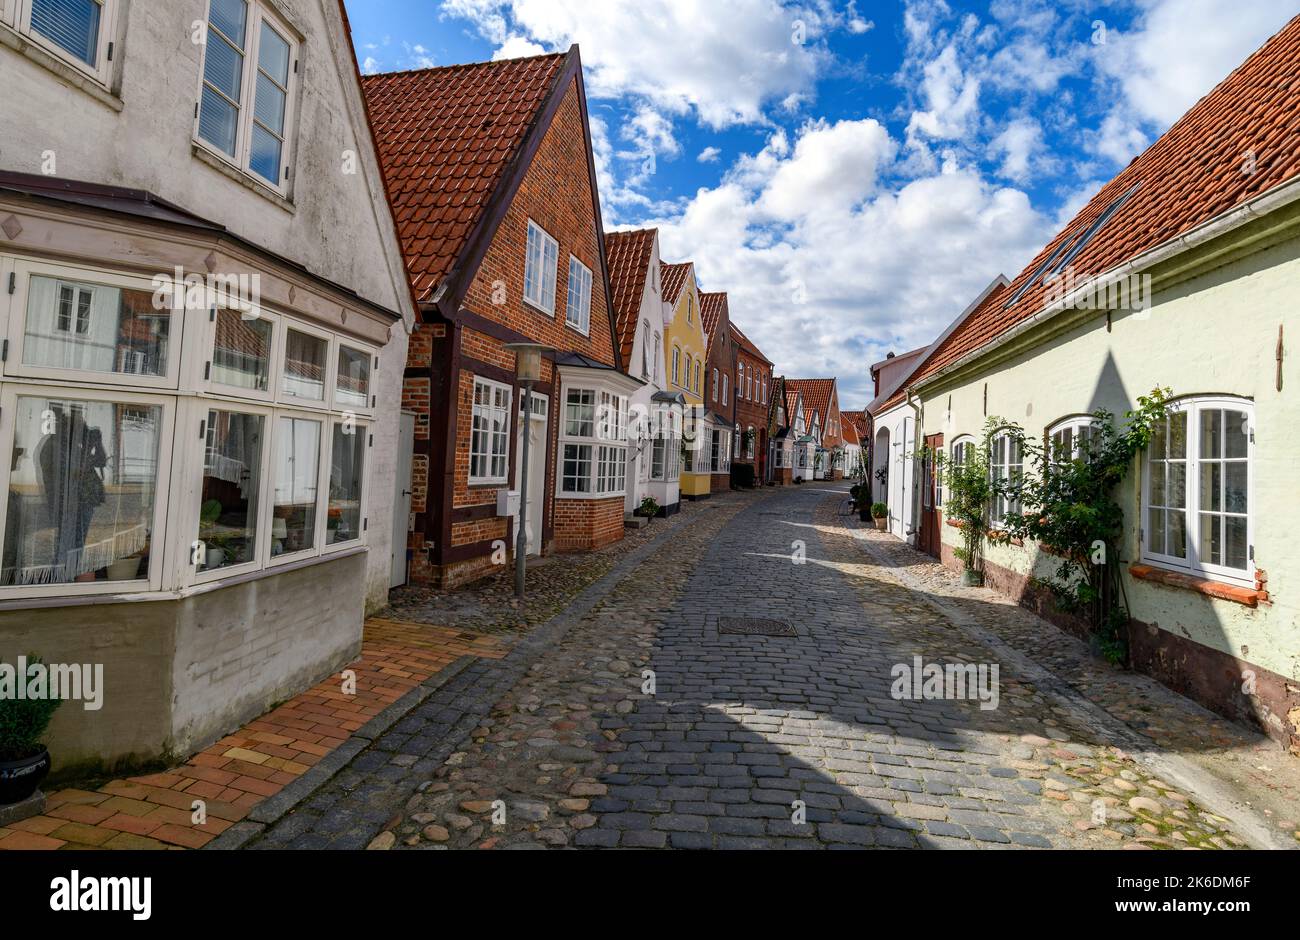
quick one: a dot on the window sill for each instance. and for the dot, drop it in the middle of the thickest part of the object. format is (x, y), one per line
(996, 536)
(67, 73)
(1248, 597)
(538, 308)
(230, 171)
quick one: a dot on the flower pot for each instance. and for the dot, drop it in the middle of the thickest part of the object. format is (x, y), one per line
(971, 578)
(124, 569)
(882, 523)
(20, 778)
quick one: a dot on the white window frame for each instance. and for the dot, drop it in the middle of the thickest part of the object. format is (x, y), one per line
(491, 479)
(1000, 508)
(242, 158)
(14, 366)
(17, 15)
(366, 430)
(372, 398)
(724, 389)
(645, 349)
(279, 370)
(8, 425)
(274, 379)
(677, 365)
(270, 561)
(715, 384)
(1193, 564)
(536, 295)
(607, 442)
(1074, 426)
(582, 273)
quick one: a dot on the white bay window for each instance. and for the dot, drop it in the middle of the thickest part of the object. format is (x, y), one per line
(593, 443)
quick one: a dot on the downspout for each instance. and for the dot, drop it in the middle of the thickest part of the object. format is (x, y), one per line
(916, 489)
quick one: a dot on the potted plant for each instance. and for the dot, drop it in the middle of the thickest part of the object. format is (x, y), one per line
(648, 508)
(24, 758)
(880, 513)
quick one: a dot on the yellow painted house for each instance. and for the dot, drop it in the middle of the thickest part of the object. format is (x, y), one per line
(685, 353)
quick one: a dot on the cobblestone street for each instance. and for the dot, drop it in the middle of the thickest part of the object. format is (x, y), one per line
(637, 719)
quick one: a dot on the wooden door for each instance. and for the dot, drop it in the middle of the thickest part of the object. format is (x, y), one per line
(931, 499)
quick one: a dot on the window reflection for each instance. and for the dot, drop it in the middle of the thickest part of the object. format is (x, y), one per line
(95, 328)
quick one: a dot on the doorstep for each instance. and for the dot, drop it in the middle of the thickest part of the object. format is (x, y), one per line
(260, 760)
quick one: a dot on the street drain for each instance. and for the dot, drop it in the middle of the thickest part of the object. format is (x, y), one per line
(755, 626)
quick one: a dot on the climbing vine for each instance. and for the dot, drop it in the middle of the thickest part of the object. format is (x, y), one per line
(1068, 505)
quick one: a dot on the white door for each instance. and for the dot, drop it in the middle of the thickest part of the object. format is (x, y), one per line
(402, 497)
(536, 495)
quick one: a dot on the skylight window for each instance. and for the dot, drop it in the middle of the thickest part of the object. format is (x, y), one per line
(1069, 249)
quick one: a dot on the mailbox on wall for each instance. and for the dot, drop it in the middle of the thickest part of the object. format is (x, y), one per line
(507, 503)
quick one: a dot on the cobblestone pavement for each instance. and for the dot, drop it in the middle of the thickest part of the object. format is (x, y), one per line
(489, 605)
(744, 741)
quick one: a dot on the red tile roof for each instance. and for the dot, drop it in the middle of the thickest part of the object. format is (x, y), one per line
(816, 396)
(856, 418)
(1191, 175)
(748, 345)
(712, 307)
(851, 435)
(446, 137)
(629, 255)
(674, 277)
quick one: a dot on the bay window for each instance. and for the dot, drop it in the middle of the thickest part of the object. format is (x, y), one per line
(246, 95)
(208, 433)
(1196, 490)
(720, 452)
(489, 451)
(593, 443)
(665, 458)
(541, 263)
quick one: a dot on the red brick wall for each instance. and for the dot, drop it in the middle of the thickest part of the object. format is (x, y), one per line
(557, 195)
(586, 524)
(753, 413)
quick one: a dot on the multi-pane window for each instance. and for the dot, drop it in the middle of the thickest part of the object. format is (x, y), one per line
(715, 385)
(689, 372)
(699, 376)
(1197, 489)
(665, 461)
(296, 472)
(720, 451)
(1006, 464)
(677, 366)
(232, 478)
(593, 443)
(352, 381)
(344, 518)
(645, 352)
(85, 327)
(1072, 440)
(578, 312)
(489, 450)
(750, 436)
(305, 358)
(656, 360)
(241, 353)
(724, 390)
(541, 265)
(249, 64)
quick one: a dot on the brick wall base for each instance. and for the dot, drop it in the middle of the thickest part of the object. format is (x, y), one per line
(582, 525)
(720, 483)
(1207, 676)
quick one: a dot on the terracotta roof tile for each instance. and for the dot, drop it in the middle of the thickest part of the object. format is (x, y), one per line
(747, 344)
(629, 255)
(1191, 175)
(674, 277)
(712, 306)
(816, 395)
(445, 137)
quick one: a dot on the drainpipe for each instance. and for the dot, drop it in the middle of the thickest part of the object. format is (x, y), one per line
(912, 529)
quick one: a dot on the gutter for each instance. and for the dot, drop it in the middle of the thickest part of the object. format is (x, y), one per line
(1276, 198)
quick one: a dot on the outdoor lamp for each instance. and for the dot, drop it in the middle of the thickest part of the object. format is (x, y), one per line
(528, 370)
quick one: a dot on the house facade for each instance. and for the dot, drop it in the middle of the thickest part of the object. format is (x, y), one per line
(1178, 281)
(753, 403)
(719, 402)
(780, 439)
(685, 352)
(656, 413)
(205, 321)
(507, 248)
(821, 398)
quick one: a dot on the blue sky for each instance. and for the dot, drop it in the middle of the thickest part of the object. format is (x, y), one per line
(853, 174)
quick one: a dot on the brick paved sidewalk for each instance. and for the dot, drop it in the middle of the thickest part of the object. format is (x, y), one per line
(154, 811)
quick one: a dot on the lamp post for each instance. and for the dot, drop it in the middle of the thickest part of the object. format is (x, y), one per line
(528, 371)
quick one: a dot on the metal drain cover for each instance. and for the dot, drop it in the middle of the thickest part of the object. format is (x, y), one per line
(755, 626)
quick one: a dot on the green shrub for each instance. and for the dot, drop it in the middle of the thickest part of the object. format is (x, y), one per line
(649, 507)
(23, 723)
(879, 511)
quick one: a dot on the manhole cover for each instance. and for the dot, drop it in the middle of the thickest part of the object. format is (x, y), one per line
(755, 626)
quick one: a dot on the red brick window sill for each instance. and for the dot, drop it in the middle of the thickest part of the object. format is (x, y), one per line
(1228, 592)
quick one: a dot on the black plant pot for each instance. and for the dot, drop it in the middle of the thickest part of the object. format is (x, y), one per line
(20, 778)
(864, 515)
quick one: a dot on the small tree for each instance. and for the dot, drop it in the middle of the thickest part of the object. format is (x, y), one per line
(1069, 506)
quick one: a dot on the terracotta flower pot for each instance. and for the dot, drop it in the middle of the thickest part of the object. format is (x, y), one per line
(882, 523)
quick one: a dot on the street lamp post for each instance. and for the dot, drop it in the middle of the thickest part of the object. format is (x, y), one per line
(528, 371)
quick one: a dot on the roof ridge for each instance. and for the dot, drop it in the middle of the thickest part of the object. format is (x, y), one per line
(429, 69)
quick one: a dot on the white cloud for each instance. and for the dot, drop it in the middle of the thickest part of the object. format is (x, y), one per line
(1020, 146)
(709, 155)
(724, 63)
(518, 47)
(370, 65)
(952, 97)
(882, 267)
